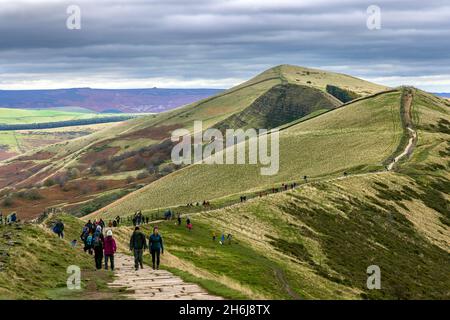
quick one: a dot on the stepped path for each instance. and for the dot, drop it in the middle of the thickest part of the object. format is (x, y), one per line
(148, 284)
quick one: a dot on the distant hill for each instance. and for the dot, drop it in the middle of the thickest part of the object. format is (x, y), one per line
(443, 94)
(104, 100)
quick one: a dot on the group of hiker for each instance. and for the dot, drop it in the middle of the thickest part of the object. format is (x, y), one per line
(139, 219)
(222, 240)
(188, 222)
(95, 242)
(11, 218)
(204, 203)
(138, 244)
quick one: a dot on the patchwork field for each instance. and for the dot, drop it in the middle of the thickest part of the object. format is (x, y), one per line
(20, 129)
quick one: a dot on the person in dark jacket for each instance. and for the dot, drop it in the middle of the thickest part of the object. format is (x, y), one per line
(98, 241)
(138, 244)
(59, 229)
(156, 247)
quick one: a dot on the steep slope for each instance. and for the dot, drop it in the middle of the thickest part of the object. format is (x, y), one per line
(280, 105)
(359, 137)
(34, 262)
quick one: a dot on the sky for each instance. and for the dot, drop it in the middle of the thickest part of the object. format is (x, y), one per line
(220, 43)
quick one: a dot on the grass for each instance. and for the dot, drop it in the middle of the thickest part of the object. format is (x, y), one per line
(319, 240)
(360, 135)
(35, 267)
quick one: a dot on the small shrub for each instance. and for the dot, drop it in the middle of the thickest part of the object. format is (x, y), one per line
(101, 186)
(49, 182)
(142, 175)
(8, 201)
(32, 195)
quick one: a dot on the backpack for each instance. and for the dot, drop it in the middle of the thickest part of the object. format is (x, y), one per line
(97, 241)
(89, 240)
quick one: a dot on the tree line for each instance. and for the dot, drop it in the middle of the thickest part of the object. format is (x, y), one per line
(64, 123)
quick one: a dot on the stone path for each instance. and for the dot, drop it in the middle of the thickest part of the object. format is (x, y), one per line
(148, 284)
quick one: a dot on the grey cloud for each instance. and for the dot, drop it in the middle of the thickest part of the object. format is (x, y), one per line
(213, 40)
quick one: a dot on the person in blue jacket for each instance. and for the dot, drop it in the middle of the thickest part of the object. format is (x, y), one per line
(156, 247)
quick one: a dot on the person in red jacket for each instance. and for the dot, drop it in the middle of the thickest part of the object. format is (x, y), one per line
(109, 248)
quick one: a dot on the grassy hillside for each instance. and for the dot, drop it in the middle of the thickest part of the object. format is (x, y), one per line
(33, 264)
(355, 138)
(280, 105)
(273, 98)
(316, 242)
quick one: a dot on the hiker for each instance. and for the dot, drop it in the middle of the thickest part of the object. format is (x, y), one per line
(97, 243)
(118, 220)
(114, 224)
(188, 221)
(84, 233)
(305, 178)
(229, 237)
(214, 236)
(88, 242)
(147, 219)
(109, 249)
(189, 226)
(59, 229)
(73, 243)
(101, 223)
(11, 218)
(168, 214)
(155, 244)
(179, 219)
(345, 173)
(1, 218)
(138, 244)
(222, 239)
(89, 225)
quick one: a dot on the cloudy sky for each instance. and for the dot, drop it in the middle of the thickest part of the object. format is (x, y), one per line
(219, 43)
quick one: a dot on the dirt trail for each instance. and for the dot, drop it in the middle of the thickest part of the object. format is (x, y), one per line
(148, 284)
(407, 121)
